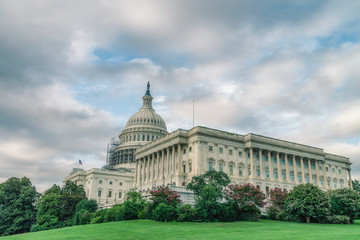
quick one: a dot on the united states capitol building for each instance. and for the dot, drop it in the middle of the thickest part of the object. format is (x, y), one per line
(147, 156)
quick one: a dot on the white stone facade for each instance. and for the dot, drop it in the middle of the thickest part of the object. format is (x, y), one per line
(262, 161)
(107, 187)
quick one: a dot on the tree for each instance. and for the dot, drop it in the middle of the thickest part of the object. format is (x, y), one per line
(345, 202)
(276, 202)
(207, 190)
(57, 206)
(307, 203)
(133, 205)
(17, 206)
(356, 185)
(164, 194)
(246, 199)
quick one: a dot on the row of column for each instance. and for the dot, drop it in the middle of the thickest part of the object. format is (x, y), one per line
(158, 165)
(301, 159)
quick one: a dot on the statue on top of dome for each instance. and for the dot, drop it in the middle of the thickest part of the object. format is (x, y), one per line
(148, 89)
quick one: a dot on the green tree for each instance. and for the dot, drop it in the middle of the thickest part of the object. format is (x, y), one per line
(57, 206)
(276, 202)
(133, 205)
(207, 190)
(307, 203)
(17, 206)
(345, 202)
(356, 185)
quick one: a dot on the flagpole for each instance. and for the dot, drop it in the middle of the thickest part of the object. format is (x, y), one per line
(193, 113)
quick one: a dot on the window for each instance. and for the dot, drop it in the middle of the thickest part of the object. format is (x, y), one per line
(292, 176)
(248, 155)
(143, 137)
(99, 193)
(341, 184)
(120, 183)
(298, 163)
(335, 184)
(120, 194)
(210, 148)
(276, 174)
(291, 162)
(210, 166)
(320, 167)
(240, 154)
(267, 173)
(322, 181)
(266, 158)
(100, 181)
(240, 171)
(283, 161)
(258, 172)
(138, 137)
(249, 171)
(299, 178)
(231, 169)
(148, 137)
(327, 169)
(221, 166)
(328, 182)
(184, 151)
(190, 167)
(339, 171)
(314, 180)
(220, 150)
(109, 195)
(257, 157)
(333, 170)
(307, 179)
(110, 182)
(152, 138)
(313, 166)
(284, 175)
(230, 152)
(190, 149)
(130, 138)
(275, 160)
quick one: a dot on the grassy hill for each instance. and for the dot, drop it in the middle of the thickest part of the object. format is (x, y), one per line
(146, 229)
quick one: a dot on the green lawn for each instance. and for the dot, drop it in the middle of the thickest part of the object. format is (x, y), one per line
(146, 229)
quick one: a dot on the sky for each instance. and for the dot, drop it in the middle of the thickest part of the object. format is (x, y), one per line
(73, 72)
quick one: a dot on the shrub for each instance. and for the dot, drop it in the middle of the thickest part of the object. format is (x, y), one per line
(164, 194)
(345, 202)
(114, 214)
(307, 203)
(276, 202)
(337, 219)
(82, 217)
(98, 216)
(89, 205)
(186, 213)
(246, 199)
(130, 210)
(165, 213)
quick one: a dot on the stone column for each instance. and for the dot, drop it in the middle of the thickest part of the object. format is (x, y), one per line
(162, 172)
(179, 159)
(278, 166)
(173, 160)
(168, 157)
(350, 181)
(136, 172)
(317, 173)
(310, 173)
(287, 169)
(296, 180)
(144, 171)
(261, 164)
(251, 163)
(270, 168)
(153, 167)
(324, 175)
(148, 168)
(302, 170)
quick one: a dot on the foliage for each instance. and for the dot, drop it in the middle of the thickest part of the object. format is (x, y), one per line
(165, 213)
(164, 194)
(57, 206)
(246, 199)
(85, 204)
(82, 217)
(356, 185)
(186, 213)
(98, 216)
(307, 203)
(131, 210)
(337, 219)
(17, 206)
(207, 190)
(114, 214)
(345, 202)
(276, 202)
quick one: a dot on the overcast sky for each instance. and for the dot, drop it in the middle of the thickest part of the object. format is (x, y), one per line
(73, 72)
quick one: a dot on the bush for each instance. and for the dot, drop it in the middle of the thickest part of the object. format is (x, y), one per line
(276, 202)
(165, 213)
(307, 203)
(246, 199)
(186, 213)
(114, 214)
(345, 202)
(98, 216)
(82, 217)
(89, 205)
(130, 210)
(164, 194)
(337, 219)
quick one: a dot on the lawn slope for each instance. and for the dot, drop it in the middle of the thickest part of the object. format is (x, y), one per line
(146, 229)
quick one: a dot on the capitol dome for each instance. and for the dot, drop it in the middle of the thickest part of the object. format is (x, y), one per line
(141, 128)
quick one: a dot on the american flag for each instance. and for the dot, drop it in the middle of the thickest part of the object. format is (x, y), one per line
(80, 162)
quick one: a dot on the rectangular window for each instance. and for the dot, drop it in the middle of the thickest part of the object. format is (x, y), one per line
(210, 166)
(230, 152)
(306, 165)
(220, 150)
(120, 183)
(327, 169)
(266, 158)
(190, 148)
(322, 182)
(258, 172)
(221, 167)
(292, 177)
(339, 171)
(267, 174)
(298, 163)
(248, 155)
(291, 162)
(109, 195)
(184, 151)
(120, 194)
(328, 182)
(249, 171)
(284, 175)
(190, 167)
(333, 170)
(313, 166)
(138, 137)
(275, 160)
(276, 174)
(283, 161)
(257, 157)
(240, 154)
(110, 182)
(320, 167)
(231, 169)
(307, 179)
(99, 193)
(300, 178)
(240, 172)
(210, 148)
(314, 180)
(100, 181)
